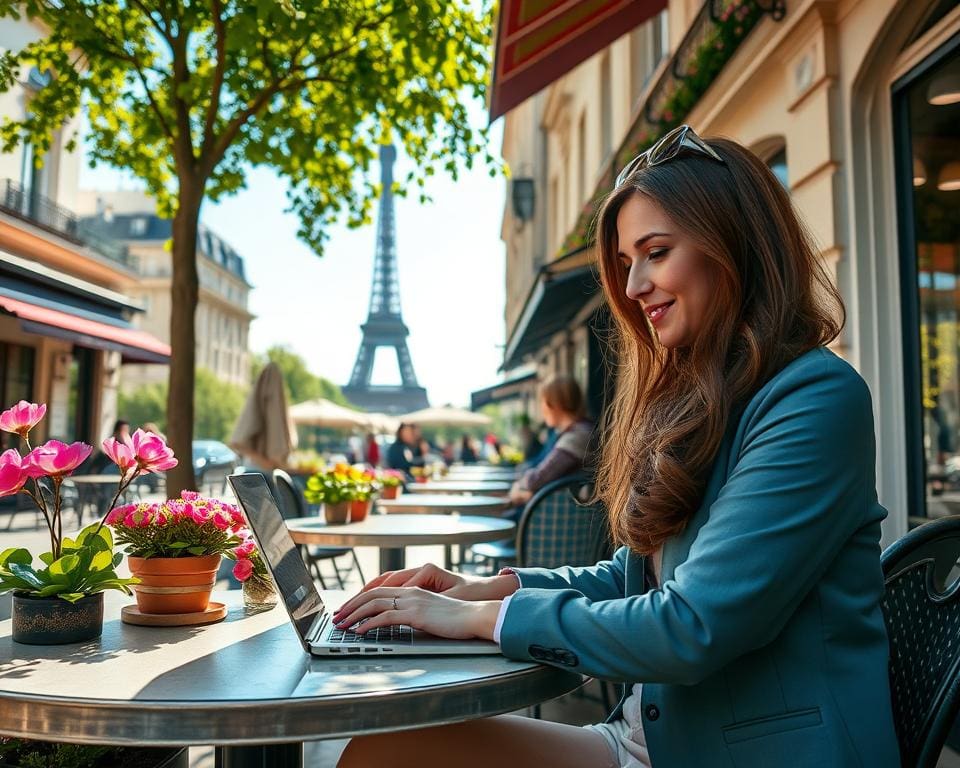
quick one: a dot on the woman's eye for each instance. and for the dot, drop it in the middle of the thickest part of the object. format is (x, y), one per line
(657, 253)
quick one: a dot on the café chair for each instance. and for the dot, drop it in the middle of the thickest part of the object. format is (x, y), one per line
(921, 608)
(558, 527)
(292, 505)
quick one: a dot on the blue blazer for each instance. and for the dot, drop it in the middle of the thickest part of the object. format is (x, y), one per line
(764, 645)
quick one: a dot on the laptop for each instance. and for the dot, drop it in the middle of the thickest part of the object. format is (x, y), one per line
(312, 621)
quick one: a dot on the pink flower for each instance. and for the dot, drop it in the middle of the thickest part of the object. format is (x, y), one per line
(120, 453)
(22, 417)
(221, 520)
(243, 570)
(55, 458)
(12, 474)
(246, 549)
(116, 515)
(151, 452)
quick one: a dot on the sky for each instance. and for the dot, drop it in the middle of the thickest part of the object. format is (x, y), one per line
(451, 267)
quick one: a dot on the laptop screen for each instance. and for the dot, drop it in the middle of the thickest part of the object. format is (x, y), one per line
(280, 554)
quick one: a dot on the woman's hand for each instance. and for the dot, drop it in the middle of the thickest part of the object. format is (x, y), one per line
(421, 609)
(433, 578)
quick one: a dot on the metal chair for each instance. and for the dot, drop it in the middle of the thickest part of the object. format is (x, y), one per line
(292, 505)
(921, 608)
(558, 527)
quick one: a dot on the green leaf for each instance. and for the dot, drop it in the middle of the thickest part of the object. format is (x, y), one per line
(46, 558)
(72, 597)
(63, 569)
(51, 589)
(15, 555)
(179, 545)
(10, 582)
(101, 561)
(117, 559)
(197, 551)
(27, 574)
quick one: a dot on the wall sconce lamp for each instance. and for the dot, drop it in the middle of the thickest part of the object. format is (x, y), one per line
(919, 173)
(944, 89)
(523, 197)
(949, 178)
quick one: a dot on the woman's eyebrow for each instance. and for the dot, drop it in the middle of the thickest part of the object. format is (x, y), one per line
(638, 244)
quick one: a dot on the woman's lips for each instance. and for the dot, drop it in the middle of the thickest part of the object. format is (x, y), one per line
(658, 312)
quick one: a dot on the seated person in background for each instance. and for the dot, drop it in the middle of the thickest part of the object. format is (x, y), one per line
(529, 441)
(402, 453)
(561, 402)
(468, 454)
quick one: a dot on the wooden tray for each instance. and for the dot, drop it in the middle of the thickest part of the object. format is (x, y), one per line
(130, 614)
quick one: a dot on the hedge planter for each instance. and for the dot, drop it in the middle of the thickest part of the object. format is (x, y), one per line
(54, 621)
(390, 491)
(174, 584)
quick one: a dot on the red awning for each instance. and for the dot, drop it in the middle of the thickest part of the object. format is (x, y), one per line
(136, 346)
(540, 40)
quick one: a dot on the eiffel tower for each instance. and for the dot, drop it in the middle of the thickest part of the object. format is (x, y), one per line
(385, 326)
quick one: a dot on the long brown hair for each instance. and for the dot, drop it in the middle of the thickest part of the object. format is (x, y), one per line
(773, 302)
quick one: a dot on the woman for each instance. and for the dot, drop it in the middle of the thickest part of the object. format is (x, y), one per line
(561, 403)
(743, 608)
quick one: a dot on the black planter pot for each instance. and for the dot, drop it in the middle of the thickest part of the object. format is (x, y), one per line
(53, 621)
(129, 757)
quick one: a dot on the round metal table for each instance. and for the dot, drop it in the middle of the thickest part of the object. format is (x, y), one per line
(460, 486)
(498, 475)
(97, 490)
(394, 532)
(439, 503)
(246, 686)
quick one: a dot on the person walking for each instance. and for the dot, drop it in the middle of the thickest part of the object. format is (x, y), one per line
(371, 453)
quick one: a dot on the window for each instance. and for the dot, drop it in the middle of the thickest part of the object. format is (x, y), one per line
(17, 364)
(778, 164)
(648, 45)
(606, 107)
(927, 105)
(582, 158)
(138, 226)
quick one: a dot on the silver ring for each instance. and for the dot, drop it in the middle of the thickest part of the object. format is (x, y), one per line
(395, 603)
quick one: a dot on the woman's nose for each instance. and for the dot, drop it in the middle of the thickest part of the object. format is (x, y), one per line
(638, 283)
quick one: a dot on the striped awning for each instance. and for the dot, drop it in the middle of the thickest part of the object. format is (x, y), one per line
(537, 41)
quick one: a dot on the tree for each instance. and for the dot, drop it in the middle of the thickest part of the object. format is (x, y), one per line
(188, 95)
(300, 383)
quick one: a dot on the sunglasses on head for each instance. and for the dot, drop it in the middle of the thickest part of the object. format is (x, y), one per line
(681, 138)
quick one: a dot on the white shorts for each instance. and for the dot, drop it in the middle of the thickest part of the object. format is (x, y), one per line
(621, 740)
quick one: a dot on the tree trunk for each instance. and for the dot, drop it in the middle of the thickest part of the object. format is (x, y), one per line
(184, 294)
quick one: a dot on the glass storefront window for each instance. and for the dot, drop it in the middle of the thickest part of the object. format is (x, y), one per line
(16, 381)
(932, 120)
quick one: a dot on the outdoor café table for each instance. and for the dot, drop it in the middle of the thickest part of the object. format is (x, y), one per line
(439, 503)
(460, 486)
(97, 490)
(394, 532)
(471, 477)
(246, 686)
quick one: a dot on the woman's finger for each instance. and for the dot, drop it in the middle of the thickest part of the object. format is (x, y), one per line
(400, 578)
(365, 611)
(357, 600)
(385, 619)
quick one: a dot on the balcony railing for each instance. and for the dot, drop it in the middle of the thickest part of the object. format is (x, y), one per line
(46, 214)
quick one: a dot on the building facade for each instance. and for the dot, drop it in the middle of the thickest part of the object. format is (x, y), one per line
(855, 104)
(222, 319)
(67, 315)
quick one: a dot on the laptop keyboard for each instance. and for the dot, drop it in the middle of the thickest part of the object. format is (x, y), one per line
(395, 634)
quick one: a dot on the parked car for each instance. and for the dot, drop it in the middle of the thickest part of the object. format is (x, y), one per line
(212, 462)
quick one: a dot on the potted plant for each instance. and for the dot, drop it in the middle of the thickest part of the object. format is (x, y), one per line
(361, 497)
(26, 753)
(259, 593)
(174, 548)
(333, 488)
(391, 483)
(62, 602)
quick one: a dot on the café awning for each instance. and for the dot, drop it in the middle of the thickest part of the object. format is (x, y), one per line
(537, 41)
(86, 329)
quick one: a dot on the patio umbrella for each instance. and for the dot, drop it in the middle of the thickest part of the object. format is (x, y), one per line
(381, 422)
(324, 413)
(263, 432)
(447, 415)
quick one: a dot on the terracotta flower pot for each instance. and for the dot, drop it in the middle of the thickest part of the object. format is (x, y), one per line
(359, 510)
(390, 491)
(336, 514)
(174, 584)
(53, 621)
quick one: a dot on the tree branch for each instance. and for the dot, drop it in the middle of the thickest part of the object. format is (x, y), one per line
(164, 31)
(220, 30)
(183, 144)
